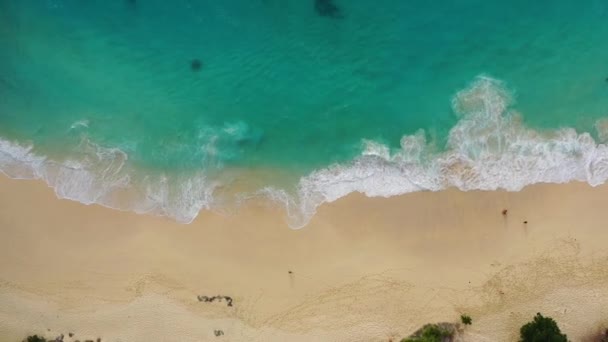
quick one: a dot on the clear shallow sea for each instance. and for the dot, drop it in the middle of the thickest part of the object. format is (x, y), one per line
(99, 98)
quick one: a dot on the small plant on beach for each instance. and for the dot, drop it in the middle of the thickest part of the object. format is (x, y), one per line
(541, 329)
(431, 333)
(35, 338)
(466, 319)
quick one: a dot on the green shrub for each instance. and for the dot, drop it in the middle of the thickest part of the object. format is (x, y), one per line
(541, 329)
(466, 319)
(35, 338)
(430, 333)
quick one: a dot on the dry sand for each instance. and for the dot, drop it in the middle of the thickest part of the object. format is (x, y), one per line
(363, 270)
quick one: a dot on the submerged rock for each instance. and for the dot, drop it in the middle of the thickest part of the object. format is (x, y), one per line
(327, 8)
(196, 65)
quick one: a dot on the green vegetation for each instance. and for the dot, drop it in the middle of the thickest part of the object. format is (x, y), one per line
(35, 338)
(466, 319)
(432, 333)
(541, 329)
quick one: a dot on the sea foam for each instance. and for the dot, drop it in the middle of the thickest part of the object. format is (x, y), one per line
(98, 175)
(489, 148)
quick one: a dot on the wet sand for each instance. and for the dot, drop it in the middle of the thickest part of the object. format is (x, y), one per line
(363, 269)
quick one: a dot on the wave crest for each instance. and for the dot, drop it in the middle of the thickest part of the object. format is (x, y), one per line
(98, 175)
(489, 148)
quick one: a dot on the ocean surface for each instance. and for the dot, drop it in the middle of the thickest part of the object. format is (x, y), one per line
(173, 107)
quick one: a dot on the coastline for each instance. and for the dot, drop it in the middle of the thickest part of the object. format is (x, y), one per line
(364, 269)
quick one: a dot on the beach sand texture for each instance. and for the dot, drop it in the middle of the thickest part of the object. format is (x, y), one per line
(365, 269)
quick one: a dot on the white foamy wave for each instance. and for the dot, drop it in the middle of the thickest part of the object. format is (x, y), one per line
(18, 161)
(84, 123)
(101, 176)
(488, 149)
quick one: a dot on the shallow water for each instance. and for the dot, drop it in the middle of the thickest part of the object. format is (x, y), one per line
(105, 90)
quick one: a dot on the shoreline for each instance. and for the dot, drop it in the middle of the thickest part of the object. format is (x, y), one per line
(364, 269)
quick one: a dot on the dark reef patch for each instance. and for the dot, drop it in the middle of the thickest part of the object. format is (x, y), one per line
(327, 8)
(131, 4)
(196, 65)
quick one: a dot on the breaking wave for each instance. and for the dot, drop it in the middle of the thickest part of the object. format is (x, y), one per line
(97, 175)
(488, 149)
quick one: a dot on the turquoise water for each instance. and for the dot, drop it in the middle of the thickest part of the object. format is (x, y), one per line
(101, 96)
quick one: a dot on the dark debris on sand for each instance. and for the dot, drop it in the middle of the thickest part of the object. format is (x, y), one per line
(207, 299)
(60, 338)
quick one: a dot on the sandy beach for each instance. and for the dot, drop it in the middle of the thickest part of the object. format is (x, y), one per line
(364, 269)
